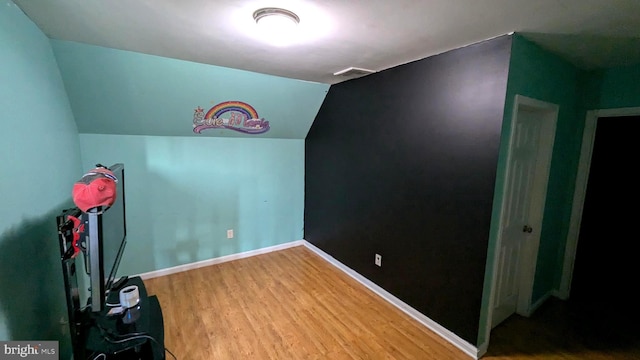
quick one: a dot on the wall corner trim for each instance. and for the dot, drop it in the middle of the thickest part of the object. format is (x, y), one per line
(440, 330)
(482, 349)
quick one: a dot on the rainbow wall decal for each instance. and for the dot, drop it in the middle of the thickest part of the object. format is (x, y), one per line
(231, 115)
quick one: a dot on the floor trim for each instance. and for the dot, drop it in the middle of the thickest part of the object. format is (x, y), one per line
(440, 330)
(219, 260)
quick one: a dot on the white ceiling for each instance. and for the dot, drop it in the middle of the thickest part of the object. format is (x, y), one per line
(337, 34)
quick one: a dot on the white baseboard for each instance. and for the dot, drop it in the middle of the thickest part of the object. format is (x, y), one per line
(440, 330)
(218, 260)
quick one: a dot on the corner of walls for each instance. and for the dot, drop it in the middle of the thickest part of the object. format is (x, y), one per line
(558, 83)
(539, 74)
(496, 211)
(601, 89)
(185, 189)
(393, 179)
(608, 88)
(184, 193)
(40, 148)
(617, 87)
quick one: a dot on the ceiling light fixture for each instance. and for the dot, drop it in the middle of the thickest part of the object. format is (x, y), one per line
(277, 15)
(276, 24)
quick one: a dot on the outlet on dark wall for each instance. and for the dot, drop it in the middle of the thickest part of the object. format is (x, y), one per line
(402, 163)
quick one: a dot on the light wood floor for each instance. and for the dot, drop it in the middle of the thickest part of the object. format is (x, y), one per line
(292, 304)
(289, 304)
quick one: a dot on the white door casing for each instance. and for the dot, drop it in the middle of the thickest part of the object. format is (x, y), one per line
(528, 161)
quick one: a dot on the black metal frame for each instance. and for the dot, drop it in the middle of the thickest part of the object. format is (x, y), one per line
(69, 271)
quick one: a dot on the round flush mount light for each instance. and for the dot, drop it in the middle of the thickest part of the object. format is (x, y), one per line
(276, 25)
(275, 15)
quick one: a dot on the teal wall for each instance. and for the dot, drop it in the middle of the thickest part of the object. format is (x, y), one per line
(612, 88)
(538, 74)
(121, 92)
(184, 190)
(183, 193)
(541, 75)
(39, 158)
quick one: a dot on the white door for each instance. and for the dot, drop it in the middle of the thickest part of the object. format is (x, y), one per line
(532, 136)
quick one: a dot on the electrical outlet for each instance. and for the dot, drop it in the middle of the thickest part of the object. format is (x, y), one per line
(378, 260)
(230, 234)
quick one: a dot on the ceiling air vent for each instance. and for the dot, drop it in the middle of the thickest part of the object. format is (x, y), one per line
(353, 72)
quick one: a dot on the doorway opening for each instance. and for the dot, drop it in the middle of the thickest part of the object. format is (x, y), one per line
(584, 166)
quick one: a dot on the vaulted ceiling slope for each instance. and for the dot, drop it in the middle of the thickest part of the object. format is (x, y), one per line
(128, 93)
(334, 35)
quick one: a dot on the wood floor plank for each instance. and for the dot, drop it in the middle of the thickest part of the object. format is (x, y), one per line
(292, 304)
(289, 304)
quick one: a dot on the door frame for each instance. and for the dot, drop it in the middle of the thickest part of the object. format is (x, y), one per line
(524, 306)
(584, 165)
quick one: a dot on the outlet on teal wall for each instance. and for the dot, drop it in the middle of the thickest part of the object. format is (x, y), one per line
(121, 92)
(184, 193)
(40, 160)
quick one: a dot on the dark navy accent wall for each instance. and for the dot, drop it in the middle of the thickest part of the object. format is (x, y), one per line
(403, 163)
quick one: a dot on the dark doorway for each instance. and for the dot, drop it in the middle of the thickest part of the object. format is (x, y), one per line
(601, 319)
(606, 269)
